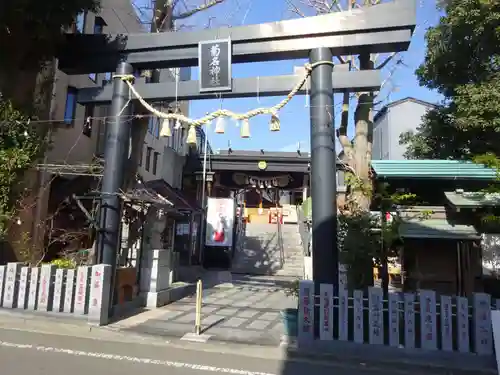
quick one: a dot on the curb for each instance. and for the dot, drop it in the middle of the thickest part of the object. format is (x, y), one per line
(294, 352)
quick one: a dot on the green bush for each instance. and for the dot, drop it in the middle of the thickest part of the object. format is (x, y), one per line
(64, 263)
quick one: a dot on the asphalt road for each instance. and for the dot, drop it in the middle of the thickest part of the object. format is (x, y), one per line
(23, 352)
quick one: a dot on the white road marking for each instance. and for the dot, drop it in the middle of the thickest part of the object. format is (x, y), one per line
(116, 357)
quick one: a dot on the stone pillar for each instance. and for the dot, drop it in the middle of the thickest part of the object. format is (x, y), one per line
(156, 270)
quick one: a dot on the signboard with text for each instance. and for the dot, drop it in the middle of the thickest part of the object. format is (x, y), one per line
(220, 221)
(214, 60)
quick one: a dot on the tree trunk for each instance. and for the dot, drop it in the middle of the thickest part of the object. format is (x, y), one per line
(362, 146)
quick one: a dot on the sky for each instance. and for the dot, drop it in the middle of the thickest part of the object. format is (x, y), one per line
(399, 79)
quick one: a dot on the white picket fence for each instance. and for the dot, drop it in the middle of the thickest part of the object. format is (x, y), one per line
(80, 293)
(410, 320)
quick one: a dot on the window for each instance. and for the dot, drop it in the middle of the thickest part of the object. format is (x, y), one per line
(157, 128)
(98, 29)
(141, 156)
(99, 25)
(151, 125)
(155, 162)
(88, 120)
(69, 110)
(107, 78)
(148, 157)
(80, 23)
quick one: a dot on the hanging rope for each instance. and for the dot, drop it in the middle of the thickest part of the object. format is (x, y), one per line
(129, 79)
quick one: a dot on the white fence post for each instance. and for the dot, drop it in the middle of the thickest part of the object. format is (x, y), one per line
(394, 319)
(58, 300)
(482, 324)
(358, 315)
(463, 324)
(69, 291)
(2, 283)
(376, 315)
(33, 289)
(343, 314)
(100, 293)
(82, 290)
(428, 320)
(446, 324)
(22, 295)
(11, 285)
(326, 312)
(46, 289)
(306, 311)
(409, 303)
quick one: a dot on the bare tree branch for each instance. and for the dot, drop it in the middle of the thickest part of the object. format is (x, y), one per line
(386, 61)
(295, 9)
(201, 8)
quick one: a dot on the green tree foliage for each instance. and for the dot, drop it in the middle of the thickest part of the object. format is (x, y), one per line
(462, 62)
(19, 147)
(30, 30)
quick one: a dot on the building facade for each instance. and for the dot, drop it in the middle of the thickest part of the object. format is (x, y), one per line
(393, 120)
(79, 135)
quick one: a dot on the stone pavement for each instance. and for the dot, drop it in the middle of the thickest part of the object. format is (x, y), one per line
(244, 313)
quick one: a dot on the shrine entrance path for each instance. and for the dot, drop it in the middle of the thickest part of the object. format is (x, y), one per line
(245, 311)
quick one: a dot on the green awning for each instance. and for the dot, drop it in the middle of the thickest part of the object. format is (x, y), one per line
(437, 229)
(472, 199)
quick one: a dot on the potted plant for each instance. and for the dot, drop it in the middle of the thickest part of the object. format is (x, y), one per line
(290, 315)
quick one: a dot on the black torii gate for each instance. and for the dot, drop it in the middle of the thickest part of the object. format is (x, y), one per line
(383, 28)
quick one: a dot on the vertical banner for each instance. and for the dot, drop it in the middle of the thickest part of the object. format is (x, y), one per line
(343, 314)
(220, 221)
(45, 294)
(214, 59)
(11, 285)
(2, 283)
(100, 293)
(409, 320)
(306, 311)
(57, 304)
(428, 337)
(33, 291)
(326, 312)
(82, 289)
(482, 324)
(69, 291)
(446, 324)
(394, 319)
(22, 296)
(358, 328)
(463, 324)
(376, 315)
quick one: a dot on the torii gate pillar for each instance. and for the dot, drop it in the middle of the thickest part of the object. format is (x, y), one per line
(115, 157)
(323, 173)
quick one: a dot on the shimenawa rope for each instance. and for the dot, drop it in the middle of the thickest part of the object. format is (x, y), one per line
(129, 79)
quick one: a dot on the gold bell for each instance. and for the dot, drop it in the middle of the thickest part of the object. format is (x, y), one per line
(245, 128)
(274, 124)
(191, 137)
(165, 128)
(219, 125)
